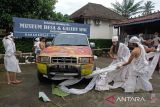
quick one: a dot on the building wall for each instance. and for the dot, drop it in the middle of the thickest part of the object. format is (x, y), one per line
(104, 30)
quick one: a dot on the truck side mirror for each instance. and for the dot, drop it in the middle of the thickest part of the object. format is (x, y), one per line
(48, 44)
(92, 44)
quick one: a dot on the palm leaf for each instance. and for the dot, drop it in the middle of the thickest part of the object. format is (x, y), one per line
(127, 7)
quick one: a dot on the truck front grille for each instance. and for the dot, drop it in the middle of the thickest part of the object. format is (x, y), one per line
(64, 60)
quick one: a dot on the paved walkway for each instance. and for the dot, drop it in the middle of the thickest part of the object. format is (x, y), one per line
(26, 94)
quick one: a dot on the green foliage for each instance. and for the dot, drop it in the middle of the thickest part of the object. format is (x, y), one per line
(98, 52)
(1, 47)
(24, 44)
(44, 9)
(102, 46)
(60, 17)
(148, 7)
(101, 43)
(36, 9)
(127, 8)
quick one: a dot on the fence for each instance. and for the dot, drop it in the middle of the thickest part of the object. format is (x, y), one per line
(22, 57)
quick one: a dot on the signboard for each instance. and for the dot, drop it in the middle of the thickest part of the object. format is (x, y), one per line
(24, 27)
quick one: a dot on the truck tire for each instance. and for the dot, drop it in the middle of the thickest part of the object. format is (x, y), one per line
(94, 67)
(41, 78)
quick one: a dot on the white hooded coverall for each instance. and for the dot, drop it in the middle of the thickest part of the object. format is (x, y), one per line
(10, 61)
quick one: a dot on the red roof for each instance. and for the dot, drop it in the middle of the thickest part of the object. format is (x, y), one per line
(142, 19)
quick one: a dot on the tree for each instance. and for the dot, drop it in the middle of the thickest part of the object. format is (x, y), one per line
(127, 8)
(148, 7)
(24, 8)
(44, 9)
(60, 17)
(37, 9)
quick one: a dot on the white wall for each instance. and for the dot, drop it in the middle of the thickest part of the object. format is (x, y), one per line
(102, 31)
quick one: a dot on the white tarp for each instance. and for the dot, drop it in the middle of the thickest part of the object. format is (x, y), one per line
(101, 77)
(123, 55)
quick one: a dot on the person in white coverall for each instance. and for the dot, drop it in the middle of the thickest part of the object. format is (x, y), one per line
(114, 48)
(10, 61)
(138, 76)
(126, 40)
(119, 52)
(156, 39)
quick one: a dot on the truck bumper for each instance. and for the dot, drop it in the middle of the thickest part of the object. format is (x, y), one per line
(74, 70)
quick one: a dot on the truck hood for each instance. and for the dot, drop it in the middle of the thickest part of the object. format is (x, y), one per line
(67, 51)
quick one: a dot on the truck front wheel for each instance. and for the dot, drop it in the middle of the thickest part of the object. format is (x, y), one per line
(41, 78)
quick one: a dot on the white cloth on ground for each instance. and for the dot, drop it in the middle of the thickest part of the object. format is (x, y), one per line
(105, 79)
(123, 55)
(95, 74)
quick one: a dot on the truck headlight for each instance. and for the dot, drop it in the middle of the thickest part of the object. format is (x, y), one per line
(45, 59)
(84, 60)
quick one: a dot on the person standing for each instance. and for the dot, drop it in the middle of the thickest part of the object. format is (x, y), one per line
(119, 53)
(114, 48)
(126, 40)
(10, 61)
(37, 49)
(156, 39)
(42, 43)
(138, 76)
(140, 36)
(36, 46)
(156, 44)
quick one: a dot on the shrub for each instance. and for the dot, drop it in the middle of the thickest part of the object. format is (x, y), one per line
(98, 52)
(101, 43)
(24, 44)
(1, 47)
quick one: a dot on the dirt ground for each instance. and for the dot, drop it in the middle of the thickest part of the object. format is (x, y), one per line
(26, 94)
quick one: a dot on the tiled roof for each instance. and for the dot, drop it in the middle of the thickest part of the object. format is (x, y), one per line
(142, 19)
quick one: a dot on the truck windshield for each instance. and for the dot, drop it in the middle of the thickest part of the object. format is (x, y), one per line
(70, 40)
